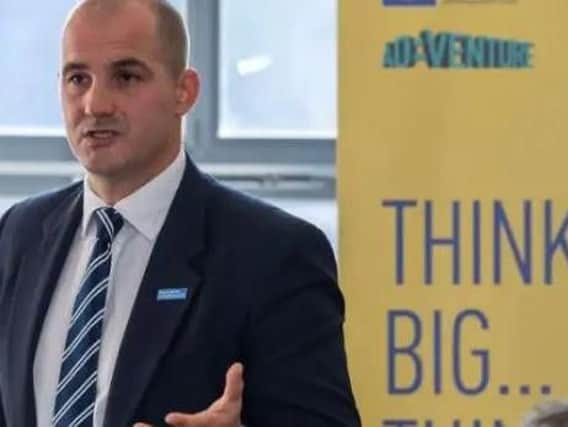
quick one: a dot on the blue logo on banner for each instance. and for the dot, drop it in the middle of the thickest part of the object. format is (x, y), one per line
(409, 2)
(451, 50)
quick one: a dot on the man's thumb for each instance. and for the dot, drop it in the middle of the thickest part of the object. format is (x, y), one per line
(234, 382)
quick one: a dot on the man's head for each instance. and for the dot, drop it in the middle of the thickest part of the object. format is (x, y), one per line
(125, 88)
(170, 29)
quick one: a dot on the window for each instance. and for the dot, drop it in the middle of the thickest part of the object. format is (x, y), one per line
(277, 74)
(29, 64)
(268, 100)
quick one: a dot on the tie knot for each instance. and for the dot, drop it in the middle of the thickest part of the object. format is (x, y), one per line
(109, 222)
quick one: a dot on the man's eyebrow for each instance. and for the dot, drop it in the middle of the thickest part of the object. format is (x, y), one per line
(73, 66)
(126, 62)
(130, 62)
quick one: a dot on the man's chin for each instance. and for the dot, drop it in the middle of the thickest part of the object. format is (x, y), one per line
(102, 169)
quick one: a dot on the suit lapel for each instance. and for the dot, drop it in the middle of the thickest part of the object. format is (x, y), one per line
(174, 264)
(43, 266)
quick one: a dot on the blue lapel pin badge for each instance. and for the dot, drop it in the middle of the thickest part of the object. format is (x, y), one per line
(172, 294)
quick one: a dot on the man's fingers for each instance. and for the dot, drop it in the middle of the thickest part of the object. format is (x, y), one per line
(223, 412)
(201, 419)
(234, 383)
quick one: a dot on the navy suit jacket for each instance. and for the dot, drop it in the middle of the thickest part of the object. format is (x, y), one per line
(262, 290)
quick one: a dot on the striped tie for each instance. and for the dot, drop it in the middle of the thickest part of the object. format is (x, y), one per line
(77, 387)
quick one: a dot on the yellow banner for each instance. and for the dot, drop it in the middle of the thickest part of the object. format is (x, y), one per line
(453, 208)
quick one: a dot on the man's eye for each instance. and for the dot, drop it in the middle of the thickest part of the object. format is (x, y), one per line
(127, 77)
(76, 79)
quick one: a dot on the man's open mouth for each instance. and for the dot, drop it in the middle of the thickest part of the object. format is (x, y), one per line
(101, 134)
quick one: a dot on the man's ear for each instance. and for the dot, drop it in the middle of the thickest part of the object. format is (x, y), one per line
(187, 91)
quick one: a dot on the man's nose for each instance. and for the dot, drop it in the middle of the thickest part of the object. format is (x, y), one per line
(99, 101)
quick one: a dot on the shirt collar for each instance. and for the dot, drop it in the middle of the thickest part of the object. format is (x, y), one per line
(147, 207)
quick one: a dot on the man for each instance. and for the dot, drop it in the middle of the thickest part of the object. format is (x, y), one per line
(149, 293)
(550, 413)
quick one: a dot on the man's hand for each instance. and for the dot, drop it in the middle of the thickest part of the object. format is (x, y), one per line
(224, 412)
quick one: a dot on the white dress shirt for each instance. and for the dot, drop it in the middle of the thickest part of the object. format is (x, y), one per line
(144, 213)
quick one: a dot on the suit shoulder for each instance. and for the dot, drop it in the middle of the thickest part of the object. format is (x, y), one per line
(24, 214)
(247, 215)
(275, 251)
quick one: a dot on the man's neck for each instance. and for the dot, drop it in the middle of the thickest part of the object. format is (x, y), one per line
(112, 189)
